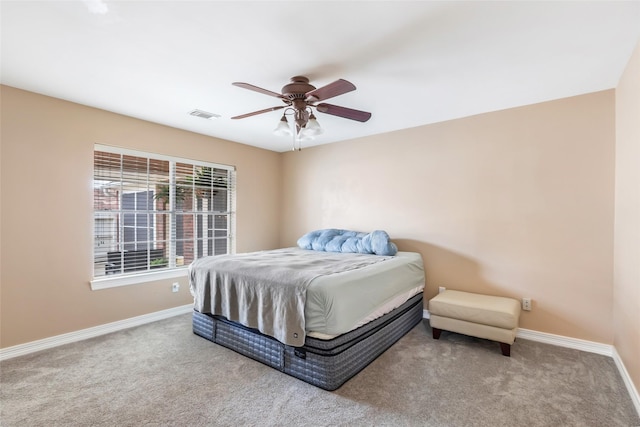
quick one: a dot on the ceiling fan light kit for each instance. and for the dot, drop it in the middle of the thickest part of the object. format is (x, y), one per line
(283, 127)
(300, 98)
(313, 127)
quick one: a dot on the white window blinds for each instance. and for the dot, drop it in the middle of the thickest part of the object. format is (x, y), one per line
(154, 213)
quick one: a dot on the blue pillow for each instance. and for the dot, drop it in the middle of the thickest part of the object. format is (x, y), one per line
(336, 240)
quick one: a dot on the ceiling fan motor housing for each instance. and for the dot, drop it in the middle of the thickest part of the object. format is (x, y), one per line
(294, 94)
(297, 89)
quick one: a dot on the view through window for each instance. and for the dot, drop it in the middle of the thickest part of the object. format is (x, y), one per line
(154, 212)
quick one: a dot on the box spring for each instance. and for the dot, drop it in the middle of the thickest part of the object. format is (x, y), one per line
(324, 363)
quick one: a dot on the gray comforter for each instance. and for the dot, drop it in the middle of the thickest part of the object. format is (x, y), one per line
(266, 290)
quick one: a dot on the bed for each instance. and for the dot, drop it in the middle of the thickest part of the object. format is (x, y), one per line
(316, 315)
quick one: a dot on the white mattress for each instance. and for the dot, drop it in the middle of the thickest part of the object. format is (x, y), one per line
(341, 302)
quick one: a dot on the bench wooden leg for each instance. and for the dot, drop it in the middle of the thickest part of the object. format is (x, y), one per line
(436, 333)
(506, 349)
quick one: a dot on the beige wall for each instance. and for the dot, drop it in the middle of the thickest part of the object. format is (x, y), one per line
(516, 203)
(626, 302)
(46, 212)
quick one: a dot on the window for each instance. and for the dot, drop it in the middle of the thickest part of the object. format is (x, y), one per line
(155, 214)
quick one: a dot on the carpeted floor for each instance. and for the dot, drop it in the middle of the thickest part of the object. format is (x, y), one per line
(161, 374)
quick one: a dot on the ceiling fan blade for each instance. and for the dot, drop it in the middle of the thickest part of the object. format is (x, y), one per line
(266, 110)
(257, 89)
(329, 91)
(347, 113)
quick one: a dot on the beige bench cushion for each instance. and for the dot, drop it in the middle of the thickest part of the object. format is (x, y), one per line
(488, 310)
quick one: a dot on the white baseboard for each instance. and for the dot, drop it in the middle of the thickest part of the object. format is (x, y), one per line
(43, 344)
(583, 345)
(561, 341)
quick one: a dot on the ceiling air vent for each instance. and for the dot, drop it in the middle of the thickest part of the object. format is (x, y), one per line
(204, 114)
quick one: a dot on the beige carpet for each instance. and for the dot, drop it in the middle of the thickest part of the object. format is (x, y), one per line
(161, 374)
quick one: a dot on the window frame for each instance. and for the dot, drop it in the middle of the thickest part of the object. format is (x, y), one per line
(132, 278)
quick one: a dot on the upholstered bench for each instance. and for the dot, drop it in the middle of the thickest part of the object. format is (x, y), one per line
(481, 316)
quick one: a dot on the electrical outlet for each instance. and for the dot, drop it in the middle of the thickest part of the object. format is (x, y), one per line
(526, 304)
(175, 287)
(441, 289)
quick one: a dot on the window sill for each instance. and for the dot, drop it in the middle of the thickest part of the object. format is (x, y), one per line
(137, 279)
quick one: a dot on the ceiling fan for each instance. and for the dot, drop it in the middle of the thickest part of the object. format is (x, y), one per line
(299, 98)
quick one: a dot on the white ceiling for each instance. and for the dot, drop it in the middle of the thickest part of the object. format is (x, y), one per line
(413, 63)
